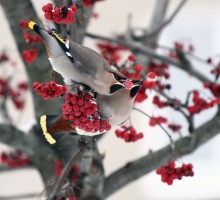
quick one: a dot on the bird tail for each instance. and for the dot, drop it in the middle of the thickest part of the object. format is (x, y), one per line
(54, 127)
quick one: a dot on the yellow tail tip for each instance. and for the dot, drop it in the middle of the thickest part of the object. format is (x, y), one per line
(31, 24)
(47, 135)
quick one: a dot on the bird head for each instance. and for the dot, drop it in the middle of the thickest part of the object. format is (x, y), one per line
(55, 44)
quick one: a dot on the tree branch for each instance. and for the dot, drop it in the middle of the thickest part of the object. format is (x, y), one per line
(39, 69)
(157, 30)
(9, 169)
(15, 138)
(156, 21)
(64, 174)
(149, 52)
(20, 196)
(165, 131)
(150, 162)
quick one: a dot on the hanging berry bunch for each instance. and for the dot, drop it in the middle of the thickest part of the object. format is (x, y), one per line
(73, 174)
(14, 159)
(129, 134)
(30, 55)
(170, 172)
(89, 3)
(81, 110)
(62, 15)
(49, 90)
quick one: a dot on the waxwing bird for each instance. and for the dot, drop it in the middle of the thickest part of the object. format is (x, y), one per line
(79, 63)
(116, 107)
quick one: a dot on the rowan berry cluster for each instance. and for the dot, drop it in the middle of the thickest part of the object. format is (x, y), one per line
(73, 174)
(141, 96)
(89, 3)
(174, 127)
(129, 134)
(159, 103)
(49, 90)
(62, 15)
(23, 24)
(15, 95)
(160, 69)
(30, 56)
(157, 120)
(14, 159)
(179, 46)
(111, 52)
(3, 57)
(81, 110)
(214, 88)
(200, 104)
(30, 39)
(170, 172)
(182, 46)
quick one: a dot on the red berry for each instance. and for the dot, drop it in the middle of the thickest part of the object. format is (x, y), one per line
(151, 75)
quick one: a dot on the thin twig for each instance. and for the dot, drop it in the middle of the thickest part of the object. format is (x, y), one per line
(64, 174)
(169, 20)
(20, 196)
(189, 53)
(167, 133)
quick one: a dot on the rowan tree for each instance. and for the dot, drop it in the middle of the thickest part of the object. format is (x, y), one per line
(73, 167)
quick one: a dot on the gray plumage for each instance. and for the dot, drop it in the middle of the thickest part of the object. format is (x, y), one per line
(80, 64)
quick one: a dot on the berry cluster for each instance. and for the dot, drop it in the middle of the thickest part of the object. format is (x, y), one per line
(14, 159)
(214, 88)
(23, 85)
(49, 90)
(170, 172)
(30, 56)
(15, 95)
(30, 39)
(111, 52)
(81, 110)
(3, 87)
(160, 69)
(62, 15)
(141, 96)
(181, 46)
(129, 134)
(174, 127)
(159, 103)
(24, 24)
(157, 120)
(199, 104)
(3, 57)
(89, 3)
(73, 174)
(136, 73)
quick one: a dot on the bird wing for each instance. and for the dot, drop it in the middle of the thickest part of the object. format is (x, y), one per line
(90, 61)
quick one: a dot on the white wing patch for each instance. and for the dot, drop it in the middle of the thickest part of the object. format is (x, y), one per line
(69, 54)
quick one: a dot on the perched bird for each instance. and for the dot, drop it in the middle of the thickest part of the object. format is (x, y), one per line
(116, 107)
(79, 63)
